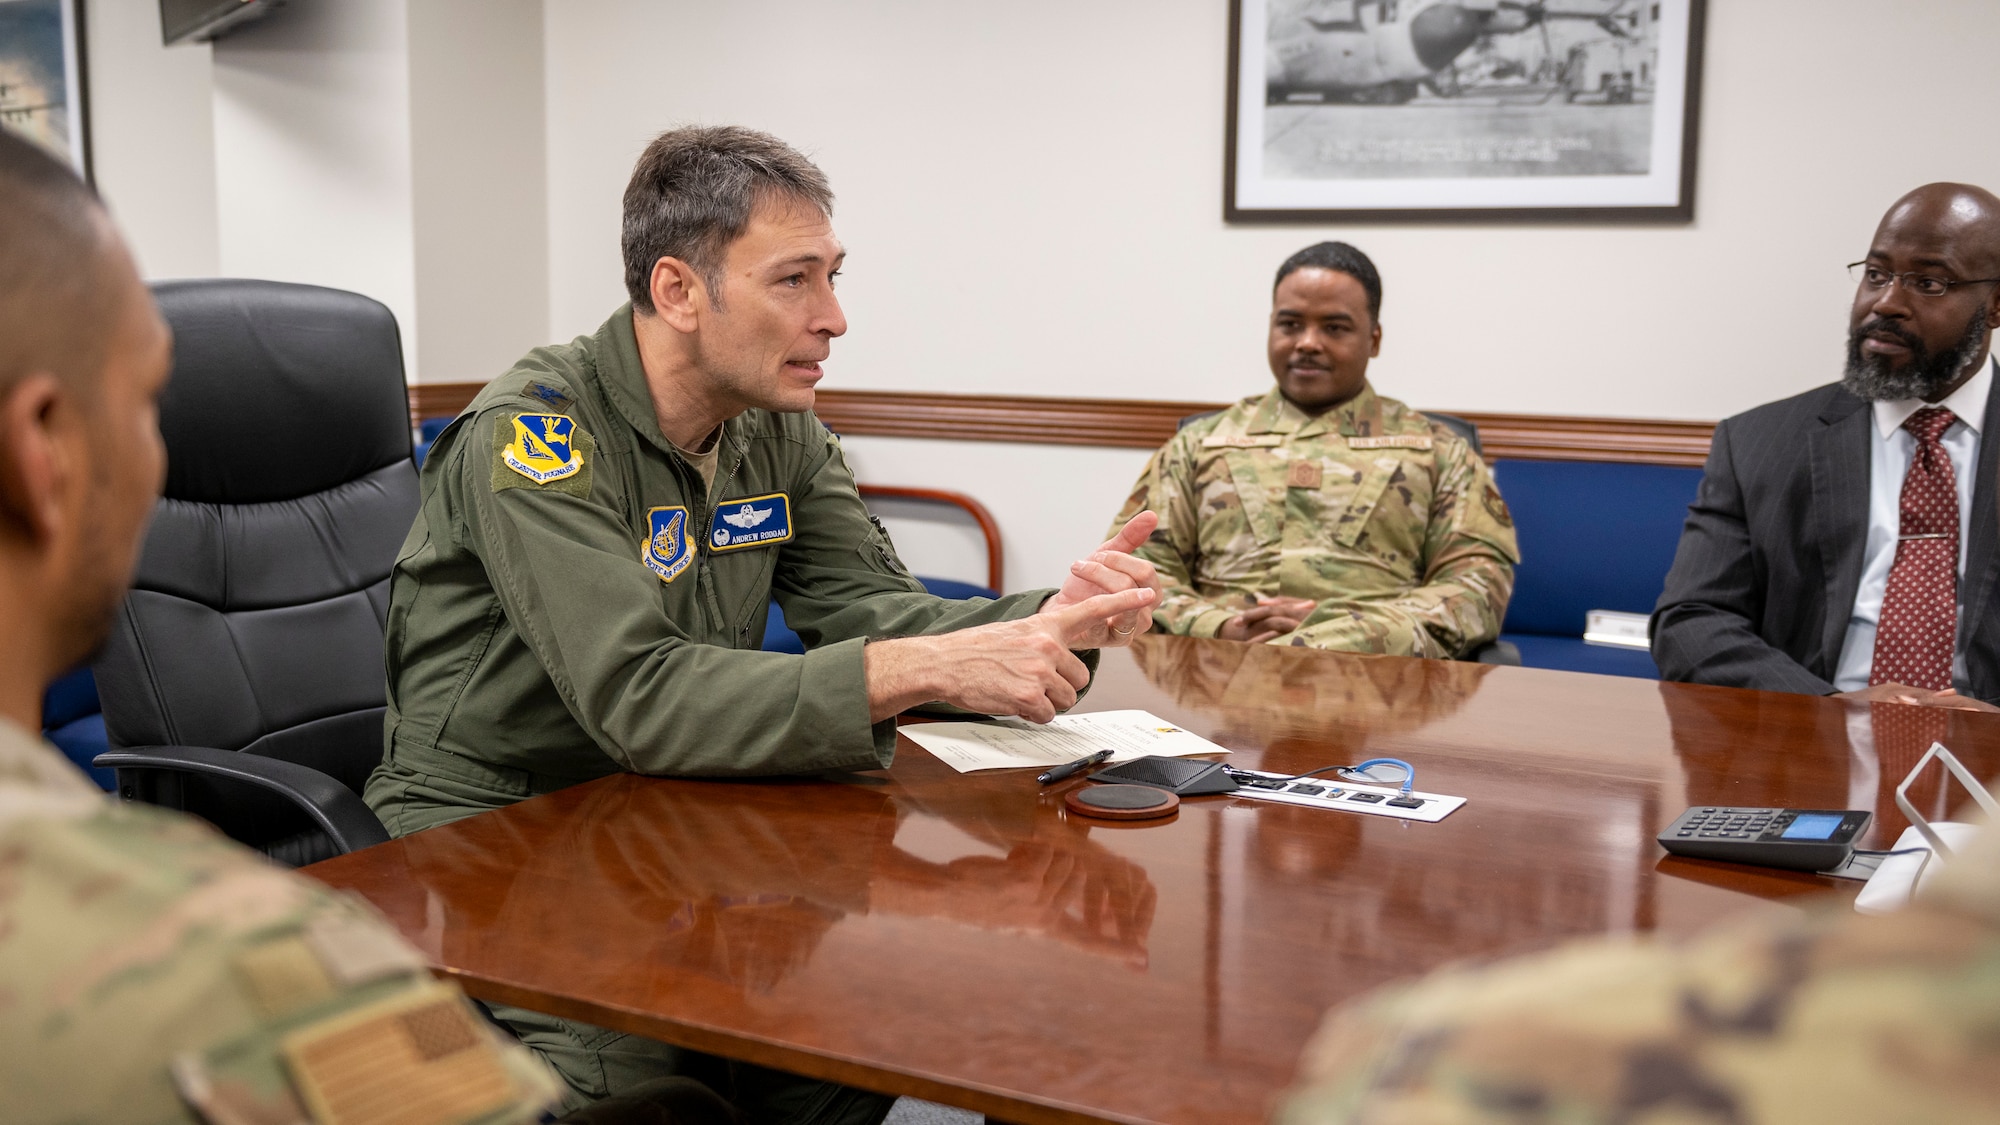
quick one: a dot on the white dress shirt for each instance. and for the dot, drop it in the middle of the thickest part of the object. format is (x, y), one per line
(1888, 463)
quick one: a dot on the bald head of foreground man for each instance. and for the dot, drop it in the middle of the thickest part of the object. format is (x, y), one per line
(83, 354)
(151, 971)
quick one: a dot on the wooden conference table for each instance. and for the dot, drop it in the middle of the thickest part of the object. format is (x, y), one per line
(961, 938)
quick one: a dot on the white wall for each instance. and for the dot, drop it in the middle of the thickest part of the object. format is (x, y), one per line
(1031, 196)
(153, 137)
(312, 152)
(1053, 502)
(1031, 193)
(479, 183)
(392, 147)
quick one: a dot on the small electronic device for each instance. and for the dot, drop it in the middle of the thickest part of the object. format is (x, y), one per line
(1344, 796)
(1122, 802)
(1798, 839)
(1181, 776)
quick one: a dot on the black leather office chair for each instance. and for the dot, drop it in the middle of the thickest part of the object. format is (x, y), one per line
(243, 679)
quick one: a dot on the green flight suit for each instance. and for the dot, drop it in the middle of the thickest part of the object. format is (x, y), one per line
(570, 603)
(1391, 523)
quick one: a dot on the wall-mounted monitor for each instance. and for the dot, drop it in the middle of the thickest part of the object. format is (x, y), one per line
(186, 21)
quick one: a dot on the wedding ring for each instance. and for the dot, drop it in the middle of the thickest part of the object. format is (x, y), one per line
(1121, 632)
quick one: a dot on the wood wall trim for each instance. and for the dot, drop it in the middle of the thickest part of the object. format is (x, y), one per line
(441, 400)
(1143, 424)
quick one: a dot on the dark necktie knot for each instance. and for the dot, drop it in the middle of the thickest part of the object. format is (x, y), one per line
(1929, 424)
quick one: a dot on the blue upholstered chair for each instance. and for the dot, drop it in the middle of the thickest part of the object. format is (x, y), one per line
(1593, 536)
(427, 432)
(74, 722)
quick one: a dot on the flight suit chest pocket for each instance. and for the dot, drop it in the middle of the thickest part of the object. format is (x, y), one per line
(742, 584)
(744, 537)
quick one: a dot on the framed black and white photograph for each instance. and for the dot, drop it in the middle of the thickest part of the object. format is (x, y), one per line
(42, 77)
(1462, 110)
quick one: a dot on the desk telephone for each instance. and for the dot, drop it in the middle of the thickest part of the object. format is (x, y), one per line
(1799, 839)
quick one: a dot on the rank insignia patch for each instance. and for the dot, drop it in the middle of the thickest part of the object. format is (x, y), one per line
(757, 521)
(542, 449)
(668, 549)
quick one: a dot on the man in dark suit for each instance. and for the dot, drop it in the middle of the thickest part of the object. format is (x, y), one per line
(1846, 540)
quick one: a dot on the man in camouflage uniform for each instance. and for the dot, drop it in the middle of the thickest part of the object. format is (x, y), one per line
(1321, 513)
(151, 971)
(1833, 1016)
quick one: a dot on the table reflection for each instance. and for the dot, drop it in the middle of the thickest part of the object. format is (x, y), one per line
(1262, 693)
(1764, 749)
(739, 882)
(936, 933)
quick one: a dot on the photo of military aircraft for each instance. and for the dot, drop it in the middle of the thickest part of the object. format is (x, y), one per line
(1384, 52)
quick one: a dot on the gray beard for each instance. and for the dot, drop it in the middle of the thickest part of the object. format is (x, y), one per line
(1870, 377)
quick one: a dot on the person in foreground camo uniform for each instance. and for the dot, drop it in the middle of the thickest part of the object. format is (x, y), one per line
(150, 970)
(1829, 1016)
(1321, 513)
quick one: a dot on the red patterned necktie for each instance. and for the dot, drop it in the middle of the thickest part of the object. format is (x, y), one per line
(1919, 622)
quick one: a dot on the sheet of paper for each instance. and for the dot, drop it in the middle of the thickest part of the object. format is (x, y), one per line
(1003, 743)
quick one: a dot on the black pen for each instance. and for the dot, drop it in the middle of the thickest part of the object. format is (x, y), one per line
(1071, 769)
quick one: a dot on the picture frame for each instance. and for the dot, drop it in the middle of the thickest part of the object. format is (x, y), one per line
(44, 86)
(1462, 110)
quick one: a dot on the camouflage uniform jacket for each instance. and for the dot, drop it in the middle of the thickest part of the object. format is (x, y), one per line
(1827, 1016)
(1392, 524)
(151, 971)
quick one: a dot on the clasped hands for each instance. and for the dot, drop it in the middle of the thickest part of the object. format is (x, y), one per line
(1027, 667)
(1271, 617)
(1916, 696)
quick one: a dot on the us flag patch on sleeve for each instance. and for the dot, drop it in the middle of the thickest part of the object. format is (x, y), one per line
(415, 1058)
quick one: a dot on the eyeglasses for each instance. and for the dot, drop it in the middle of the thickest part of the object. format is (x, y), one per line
(1875, 277)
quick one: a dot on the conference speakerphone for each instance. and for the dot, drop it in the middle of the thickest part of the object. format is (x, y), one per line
(1798, 839)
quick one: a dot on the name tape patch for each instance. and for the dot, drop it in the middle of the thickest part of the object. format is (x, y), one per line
(1244, 441)
(543, 449)
(755, 521)
(1391, 441)
(668, 550)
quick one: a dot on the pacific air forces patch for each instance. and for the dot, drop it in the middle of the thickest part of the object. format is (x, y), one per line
(668, 549)
(542, 451)
(756, 521)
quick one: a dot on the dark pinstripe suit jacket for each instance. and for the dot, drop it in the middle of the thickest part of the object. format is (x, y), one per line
(1764, 579)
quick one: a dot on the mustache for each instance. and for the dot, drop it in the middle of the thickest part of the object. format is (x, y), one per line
(1880, 326)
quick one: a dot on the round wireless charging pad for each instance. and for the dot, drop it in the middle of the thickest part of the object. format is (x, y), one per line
(1122, 802)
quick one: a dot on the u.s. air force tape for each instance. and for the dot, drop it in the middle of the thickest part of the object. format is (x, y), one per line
(1391, 441)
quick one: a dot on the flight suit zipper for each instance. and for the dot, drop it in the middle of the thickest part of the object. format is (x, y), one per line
(705, 579)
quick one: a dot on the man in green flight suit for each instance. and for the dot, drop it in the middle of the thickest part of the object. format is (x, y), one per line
(1321, 513)
(602, 529)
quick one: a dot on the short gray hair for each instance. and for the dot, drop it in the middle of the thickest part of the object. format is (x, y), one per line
(692, 192)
